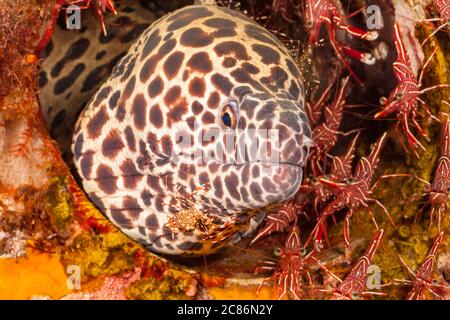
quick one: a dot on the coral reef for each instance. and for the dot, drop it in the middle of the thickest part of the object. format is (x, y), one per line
(45, 219)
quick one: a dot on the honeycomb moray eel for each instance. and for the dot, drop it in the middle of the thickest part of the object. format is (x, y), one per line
(199, 127)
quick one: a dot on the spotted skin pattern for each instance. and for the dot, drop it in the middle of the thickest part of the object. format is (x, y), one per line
(177, 79)
(76, 62)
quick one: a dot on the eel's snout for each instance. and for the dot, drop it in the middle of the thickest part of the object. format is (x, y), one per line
(272, 144)
(278, 129)
(294, 134)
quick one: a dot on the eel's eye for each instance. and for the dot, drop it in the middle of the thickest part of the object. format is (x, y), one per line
(229, 115)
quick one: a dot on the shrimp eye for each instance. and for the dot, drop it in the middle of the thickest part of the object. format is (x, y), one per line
(383, 101)
(399, 96)
(349, 181)
(303, 252)
(277, 251)
(229, 115)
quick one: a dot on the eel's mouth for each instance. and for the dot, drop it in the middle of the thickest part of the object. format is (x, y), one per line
(285, 176)
(260, 182)
(289, 178)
